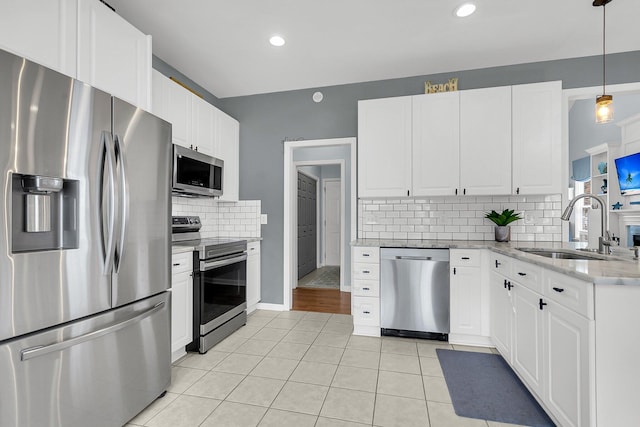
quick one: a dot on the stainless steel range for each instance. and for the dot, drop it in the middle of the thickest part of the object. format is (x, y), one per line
(219, 283)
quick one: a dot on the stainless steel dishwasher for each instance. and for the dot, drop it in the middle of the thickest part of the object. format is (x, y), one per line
(414, 292)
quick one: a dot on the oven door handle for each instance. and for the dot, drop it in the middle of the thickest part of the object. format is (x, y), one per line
(209, 265)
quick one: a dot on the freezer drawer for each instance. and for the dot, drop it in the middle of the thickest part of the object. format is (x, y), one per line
(98, 371)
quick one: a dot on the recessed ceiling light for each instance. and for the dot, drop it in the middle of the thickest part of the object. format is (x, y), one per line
(465, 10)
(276, 41)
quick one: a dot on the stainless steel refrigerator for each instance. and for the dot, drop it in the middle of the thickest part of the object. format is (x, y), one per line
(84, 252)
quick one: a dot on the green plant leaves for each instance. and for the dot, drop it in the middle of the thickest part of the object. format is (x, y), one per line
(505, 218)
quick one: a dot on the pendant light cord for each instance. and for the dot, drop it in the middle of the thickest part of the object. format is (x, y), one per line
(604, 35)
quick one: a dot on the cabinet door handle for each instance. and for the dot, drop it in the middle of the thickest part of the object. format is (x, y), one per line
(505, 283)
(498, 263)
(509, 285)
(366, 272)
(366, 312)
(542, 304)
(521, 273)
(454, 270)
(518, 190)
(407, 193)
(464, 191)
(366, 289)
(175, 264)
(465, 257)
(456, 191)
(366, 255)
(558, 289)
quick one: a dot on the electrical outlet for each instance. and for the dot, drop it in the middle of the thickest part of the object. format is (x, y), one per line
(528, 218)
(263, 219)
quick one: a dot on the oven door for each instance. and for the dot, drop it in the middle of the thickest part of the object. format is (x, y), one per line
(223, 290)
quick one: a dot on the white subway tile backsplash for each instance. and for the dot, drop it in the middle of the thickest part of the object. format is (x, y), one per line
(459, 217)
(222, 219)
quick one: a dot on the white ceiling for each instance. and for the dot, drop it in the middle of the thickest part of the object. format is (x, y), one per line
(223, 45)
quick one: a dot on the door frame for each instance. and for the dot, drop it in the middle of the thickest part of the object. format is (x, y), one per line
(324, 217)
(318, 184)
(290, 219)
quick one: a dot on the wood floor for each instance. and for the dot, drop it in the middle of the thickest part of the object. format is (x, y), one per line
(322, 300)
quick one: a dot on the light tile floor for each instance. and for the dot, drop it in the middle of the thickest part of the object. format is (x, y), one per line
(306, 369)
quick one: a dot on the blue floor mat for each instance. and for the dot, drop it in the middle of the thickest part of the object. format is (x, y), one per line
(483, 386)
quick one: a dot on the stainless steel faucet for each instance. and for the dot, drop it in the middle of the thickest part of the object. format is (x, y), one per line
(604, 241)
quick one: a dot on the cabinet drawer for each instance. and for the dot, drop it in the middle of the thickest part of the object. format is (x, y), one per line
(501, 264)
(574, 294)
(527, 274)
(464, 257)
(365, 288)
(366, 311)
(366, 254)
(181, 262)
(366, 271)
(253, 248)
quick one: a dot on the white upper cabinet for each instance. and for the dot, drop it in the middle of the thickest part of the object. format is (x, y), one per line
(485, 141)
(436, 144)
(172, 103)
(43, 31)
(112, 54)
(536, 122)
(227, 140)
(203, 122)
(384, 147)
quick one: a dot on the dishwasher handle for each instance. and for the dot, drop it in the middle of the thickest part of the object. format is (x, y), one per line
(414, 258)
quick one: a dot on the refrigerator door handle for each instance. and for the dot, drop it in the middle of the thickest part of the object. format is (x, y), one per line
(41, 350)
(110, 164)
(123, 194)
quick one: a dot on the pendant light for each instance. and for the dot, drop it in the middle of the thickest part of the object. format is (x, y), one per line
(604, 102)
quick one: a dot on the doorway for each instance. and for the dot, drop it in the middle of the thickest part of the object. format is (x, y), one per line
(341, 154)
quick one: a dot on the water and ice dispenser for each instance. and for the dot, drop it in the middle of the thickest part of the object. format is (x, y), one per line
(44, 213)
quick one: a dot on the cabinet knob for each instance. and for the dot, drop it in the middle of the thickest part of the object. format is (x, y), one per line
(559, 290)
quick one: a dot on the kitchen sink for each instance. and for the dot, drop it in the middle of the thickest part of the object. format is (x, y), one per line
(566, 254)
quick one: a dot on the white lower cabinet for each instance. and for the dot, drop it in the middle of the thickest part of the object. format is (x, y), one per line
(253, 275)
(548, 344)
(527, 336)
(501, 314)
(181, 303)
(468, 324)
(567, 365)
(365, 290)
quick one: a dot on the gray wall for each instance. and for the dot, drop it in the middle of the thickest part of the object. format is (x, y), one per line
(267, 119)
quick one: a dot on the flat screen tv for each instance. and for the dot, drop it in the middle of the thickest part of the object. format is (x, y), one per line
(628, 168)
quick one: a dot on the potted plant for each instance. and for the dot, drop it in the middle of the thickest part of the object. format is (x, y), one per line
(502, 221)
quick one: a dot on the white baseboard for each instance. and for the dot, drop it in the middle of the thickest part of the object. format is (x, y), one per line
(178, 354)
(345, 289)
(471, 340)
(368, 331)
(272, 307)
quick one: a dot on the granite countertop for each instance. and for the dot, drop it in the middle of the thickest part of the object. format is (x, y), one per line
(616, 271)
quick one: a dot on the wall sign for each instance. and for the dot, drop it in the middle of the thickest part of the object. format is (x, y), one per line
(450, 86)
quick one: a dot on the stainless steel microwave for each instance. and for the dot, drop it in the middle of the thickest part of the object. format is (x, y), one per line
(196, 174)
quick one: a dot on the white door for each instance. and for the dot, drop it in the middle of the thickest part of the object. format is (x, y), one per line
(332, 216)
